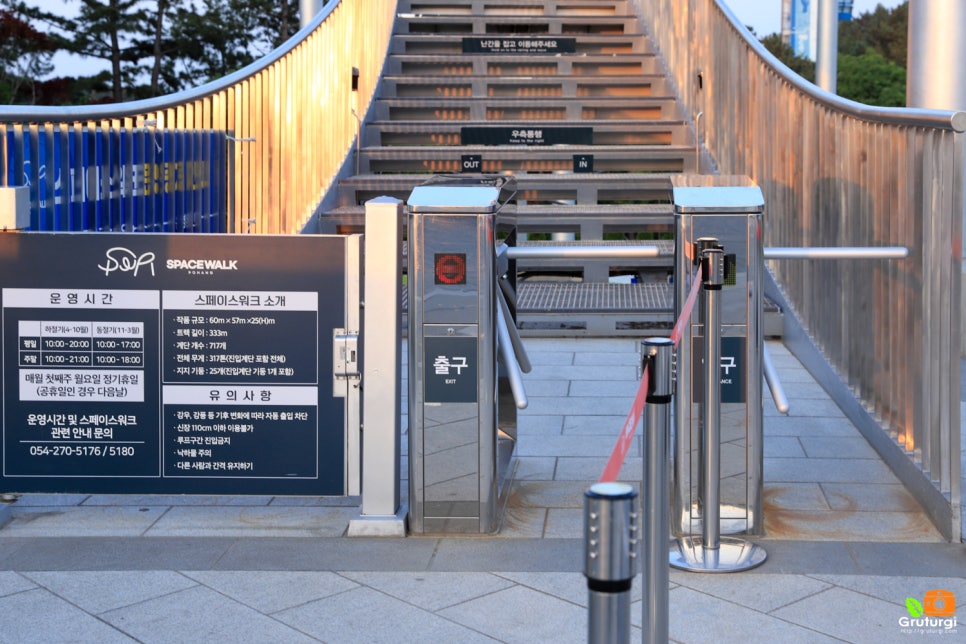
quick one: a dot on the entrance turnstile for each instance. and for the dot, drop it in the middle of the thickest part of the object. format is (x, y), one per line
(724, 211)
(457, 455)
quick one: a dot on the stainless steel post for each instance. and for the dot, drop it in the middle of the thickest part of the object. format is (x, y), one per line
(658, 354)
(712, 552)
(826, 67)
(610, 537)
(710, 308)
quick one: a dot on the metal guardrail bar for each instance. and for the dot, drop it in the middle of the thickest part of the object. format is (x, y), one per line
(836, 172)
(885, 252)
(582, 252)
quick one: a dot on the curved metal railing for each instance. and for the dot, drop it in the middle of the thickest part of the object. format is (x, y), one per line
(838, 173)
(287, 118)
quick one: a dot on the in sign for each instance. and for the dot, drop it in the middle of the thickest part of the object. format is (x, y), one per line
(450, 268)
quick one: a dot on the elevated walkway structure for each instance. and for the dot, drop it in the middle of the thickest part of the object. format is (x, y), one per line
(571, 99)
(884, 340)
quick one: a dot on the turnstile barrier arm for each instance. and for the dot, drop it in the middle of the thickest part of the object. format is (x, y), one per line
(844, 252)
(509, 360)
(523, 360)
(771, 379)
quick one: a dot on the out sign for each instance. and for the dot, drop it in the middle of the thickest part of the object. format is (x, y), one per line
(471, 163)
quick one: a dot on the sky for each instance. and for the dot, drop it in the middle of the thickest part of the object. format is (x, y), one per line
(765, 16)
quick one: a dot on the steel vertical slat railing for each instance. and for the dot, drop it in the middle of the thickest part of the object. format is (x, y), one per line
(834, 172)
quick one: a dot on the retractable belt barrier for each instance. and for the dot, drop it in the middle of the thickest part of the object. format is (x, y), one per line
(614, 532)
(626, 435)
(611, 524)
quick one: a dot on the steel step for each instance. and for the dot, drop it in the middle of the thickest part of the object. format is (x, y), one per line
(519, 24)
(610, 133)
(632, 86)
(580, 189)
(528, 158)
(651, 108)
(578, 308)
(526, 65)
(515, 7)
(578, 44)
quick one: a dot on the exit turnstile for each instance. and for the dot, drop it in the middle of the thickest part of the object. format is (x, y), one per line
(724, 211)
(458, 452)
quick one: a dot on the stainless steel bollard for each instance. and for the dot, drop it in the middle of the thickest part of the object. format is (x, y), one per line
(712, 552)
(658, 354)
(611, 539)
(710, 311)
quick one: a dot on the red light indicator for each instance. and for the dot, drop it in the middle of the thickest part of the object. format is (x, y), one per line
(450, 268)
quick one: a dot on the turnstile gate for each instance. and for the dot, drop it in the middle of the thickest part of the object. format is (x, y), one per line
(457, 454)
(726, 211)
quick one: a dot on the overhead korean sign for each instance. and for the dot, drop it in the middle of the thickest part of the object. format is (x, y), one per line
(171, 363)
(530, 135)
(517, 45)
(122, 180)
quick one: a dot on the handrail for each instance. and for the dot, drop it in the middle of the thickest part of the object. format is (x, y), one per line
(916, 117)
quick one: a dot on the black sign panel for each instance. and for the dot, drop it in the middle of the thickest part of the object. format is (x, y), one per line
(583, 163)
(515, 45)
(451, 369)
(526, 135)
(733, 376)
(471, 163)
(182, 364)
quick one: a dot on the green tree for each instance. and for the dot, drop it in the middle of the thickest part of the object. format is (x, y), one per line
(223, 36)
(783, 52)
(25, 55)
(871, 79)
(872, 57)
(885, 31)
(103, 29)
(156, 47)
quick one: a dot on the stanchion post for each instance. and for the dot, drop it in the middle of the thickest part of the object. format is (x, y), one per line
(611, 540)
(712, 267)
(658, 354)
(712, 552)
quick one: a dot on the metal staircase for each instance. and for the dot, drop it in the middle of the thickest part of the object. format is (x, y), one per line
(567, 95)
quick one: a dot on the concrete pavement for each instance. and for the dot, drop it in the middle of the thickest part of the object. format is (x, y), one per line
(847, 545)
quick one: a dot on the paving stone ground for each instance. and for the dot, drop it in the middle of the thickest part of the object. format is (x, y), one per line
(846, 545)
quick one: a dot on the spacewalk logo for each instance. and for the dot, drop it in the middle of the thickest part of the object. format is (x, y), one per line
(934, 615)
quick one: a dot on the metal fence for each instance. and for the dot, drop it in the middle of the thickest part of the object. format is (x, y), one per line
(838, 173)
(286, 121)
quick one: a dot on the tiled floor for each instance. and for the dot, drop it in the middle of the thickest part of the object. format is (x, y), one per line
(847, 545)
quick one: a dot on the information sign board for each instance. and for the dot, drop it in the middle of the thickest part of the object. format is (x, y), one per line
(518, 45)
(182, 364)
